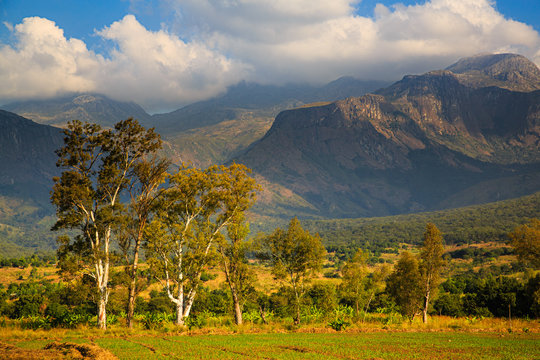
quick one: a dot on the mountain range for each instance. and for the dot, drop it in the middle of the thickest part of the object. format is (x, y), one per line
(468, 134)
(203, 133)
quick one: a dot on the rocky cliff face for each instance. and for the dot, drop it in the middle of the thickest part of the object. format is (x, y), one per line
(507, 71)
(419, 144)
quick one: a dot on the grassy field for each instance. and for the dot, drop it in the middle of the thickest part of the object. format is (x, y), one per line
(442, 338)
(295, 345)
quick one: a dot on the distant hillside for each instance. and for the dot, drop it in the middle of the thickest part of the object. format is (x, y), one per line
(85, 107)
(427, 142)
(27, 157)
(468, 225)
(27, 165)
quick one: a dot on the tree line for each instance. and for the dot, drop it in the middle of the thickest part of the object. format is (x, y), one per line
(119, 202)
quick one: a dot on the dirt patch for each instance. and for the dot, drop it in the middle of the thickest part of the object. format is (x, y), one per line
(55, 351)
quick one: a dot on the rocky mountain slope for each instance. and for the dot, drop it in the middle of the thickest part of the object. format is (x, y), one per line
(215, 130)
(427, 142)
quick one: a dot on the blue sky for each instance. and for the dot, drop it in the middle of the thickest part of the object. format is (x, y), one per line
(167, 53)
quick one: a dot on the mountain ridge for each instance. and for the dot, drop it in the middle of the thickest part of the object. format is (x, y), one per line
(371, 155)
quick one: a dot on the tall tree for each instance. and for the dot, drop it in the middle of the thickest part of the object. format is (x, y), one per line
(196, 207)
(295, 256)
(144, 190)
(526, 242)
(360, 286)
(431, 263)
(96, 167)
(238, 274)
(355, 280)
(404, 285)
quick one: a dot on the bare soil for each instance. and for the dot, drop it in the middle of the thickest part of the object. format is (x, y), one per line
(56, 350)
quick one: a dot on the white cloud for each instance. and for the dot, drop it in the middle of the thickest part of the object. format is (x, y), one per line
(158, 68)
(154, 69)
(44, 63)
(319, 40)
(216, 43)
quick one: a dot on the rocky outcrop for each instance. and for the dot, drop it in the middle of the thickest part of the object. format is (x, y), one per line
(507, 71)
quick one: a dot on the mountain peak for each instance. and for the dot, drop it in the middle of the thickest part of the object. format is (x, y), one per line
(509, 71)
(94, 108)
(85, 99)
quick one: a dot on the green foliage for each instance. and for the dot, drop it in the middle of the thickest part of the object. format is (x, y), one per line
(404, 285)
(239, 275)
(295, 256)
(354, 286)
(154, 320)
(473, 224)
(431, 263)
(194, 322)
(339, 324)
(98, 166)
(526, 242)
(194, 209)
(473, 295)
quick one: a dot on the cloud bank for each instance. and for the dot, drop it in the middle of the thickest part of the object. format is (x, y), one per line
(214, 44)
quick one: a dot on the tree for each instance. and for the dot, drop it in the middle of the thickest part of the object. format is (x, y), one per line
(238, 274)
(404, 286)
(295, 256)
(196, 207)
(96, 167)
(144, 192)
(431, 263)
(526, 242)
(355, 277)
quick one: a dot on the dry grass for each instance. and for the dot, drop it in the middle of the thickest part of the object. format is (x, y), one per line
(18, 275)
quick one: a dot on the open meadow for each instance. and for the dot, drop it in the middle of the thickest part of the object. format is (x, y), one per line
(443, 338)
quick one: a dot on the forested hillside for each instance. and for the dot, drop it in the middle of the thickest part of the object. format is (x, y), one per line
(468, 225)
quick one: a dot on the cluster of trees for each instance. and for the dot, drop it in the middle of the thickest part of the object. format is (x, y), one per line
(115, 192)
(295, 257)
(25, 261)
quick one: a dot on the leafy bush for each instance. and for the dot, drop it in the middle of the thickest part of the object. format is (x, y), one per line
(154, 320)
(194, 322)
(339, 324)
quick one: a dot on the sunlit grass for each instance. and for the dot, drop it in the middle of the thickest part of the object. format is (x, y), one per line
(379, 336)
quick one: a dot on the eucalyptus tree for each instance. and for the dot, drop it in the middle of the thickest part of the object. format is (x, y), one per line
(96, 166)
(431, 264)
(194, 209)
(144, 192)
(239, 275)
(355, 280)
(295, 256)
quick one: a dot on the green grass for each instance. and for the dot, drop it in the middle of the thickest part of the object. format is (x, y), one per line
(408, 341)
(384, 345)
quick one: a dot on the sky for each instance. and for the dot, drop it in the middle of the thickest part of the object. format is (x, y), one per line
(163, 54)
